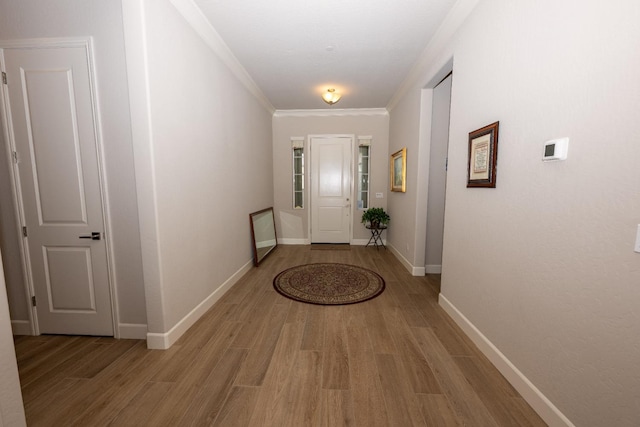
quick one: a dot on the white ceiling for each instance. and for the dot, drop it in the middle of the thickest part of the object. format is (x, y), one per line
(295, 49)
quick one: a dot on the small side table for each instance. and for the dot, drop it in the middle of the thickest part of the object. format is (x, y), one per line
(376, 235)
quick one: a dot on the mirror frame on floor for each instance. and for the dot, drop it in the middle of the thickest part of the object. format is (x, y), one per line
(263, 234)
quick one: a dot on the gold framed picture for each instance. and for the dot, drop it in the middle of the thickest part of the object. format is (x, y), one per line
(483, 156)
(398, 170)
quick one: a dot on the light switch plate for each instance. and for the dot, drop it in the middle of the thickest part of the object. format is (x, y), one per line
(637, 248)
(379, 196)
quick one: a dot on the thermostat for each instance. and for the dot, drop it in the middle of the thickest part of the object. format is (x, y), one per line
(556, 149)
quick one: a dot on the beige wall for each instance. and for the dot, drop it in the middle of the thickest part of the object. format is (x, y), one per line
(11, 410)
(543, 266)
(10, 243)
(408, 233)
(103, 21)
(203, 163)
(292, 225)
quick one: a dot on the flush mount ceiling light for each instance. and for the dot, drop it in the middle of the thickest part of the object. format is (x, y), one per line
(330, 96)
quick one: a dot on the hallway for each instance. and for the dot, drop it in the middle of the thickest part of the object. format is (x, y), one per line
(257, 358)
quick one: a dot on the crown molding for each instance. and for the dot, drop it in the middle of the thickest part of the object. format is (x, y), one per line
(333, 112)
(201, 25)
(451, 24)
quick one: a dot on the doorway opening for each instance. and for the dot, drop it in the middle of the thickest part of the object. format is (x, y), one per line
(438, 159)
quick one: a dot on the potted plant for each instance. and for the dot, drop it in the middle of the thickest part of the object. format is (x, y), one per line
(375, 217)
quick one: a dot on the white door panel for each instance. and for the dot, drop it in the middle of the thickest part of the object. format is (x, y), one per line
(54, 129)
(331, 190)
(50, 110)
(330, 218)
(329, 166)
(69, 278)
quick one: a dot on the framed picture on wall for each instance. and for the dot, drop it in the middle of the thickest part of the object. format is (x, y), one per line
(483, 156)
(398, 168)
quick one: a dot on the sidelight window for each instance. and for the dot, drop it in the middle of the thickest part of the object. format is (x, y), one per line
(297, 149)
(364, 168)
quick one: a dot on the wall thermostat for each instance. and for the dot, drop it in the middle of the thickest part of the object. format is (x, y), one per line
(556, 149)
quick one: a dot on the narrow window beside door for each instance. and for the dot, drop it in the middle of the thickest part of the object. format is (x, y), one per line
(298, 173)
(364, 151)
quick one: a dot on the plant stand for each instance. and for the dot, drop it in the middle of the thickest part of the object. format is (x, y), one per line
(376, 235)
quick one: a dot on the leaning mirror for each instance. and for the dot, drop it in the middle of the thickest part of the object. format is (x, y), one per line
(263, 233)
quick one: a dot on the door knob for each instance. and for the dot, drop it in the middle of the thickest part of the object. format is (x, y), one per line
(95, 235)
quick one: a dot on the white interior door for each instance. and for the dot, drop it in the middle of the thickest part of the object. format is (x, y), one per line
(54, 133)
(331, 189)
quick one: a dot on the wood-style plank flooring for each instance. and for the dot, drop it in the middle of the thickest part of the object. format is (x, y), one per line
(259, 359)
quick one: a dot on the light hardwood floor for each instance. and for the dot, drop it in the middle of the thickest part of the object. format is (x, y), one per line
(259, 359)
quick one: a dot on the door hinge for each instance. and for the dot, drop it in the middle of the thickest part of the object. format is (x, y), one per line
(33, 300)
(4, 77)
(24, 231)
(15, 157)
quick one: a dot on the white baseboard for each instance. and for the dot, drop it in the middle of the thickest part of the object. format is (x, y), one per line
(162, 341)
(418, 271)
(401, 258)
(415, 271)
(285, 241)
(538, 401)
(132, 331)
(21, 327)
(433, 269)
(126, 330)
(354, 242)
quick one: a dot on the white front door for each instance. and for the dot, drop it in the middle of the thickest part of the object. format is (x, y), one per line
(53, 124)
(331, 189)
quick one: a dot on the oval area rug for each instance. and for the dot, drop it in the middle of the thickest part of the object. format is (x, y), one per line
(329, 284)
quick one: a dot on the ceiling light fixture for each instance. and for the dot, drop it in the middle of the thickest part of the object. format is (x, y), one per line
(330, 96)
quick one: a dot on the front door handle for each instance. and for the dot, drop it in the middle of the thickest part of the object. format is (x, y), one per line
(95, 235)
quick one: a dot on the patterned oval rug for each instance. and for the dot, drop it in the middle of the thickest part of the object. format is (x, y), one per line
(329, 284)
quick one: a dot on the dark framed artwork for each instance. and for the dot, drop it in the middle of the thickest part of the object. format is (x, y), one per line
(483, 156)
